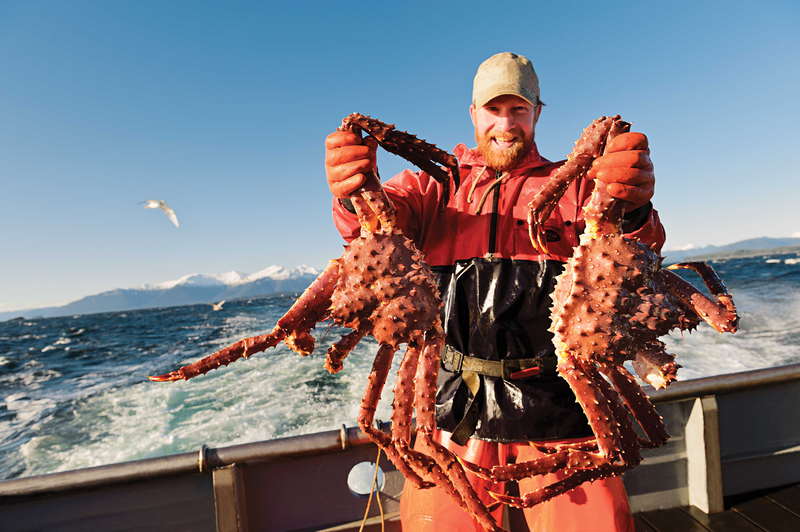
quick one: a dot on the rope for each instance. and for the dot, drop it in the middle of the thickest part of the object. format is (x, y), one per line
(371, 491)
(494, 184)
(475, 184)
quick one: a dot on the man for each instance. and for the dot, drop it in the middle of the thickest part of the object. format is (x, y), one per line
(496, 291)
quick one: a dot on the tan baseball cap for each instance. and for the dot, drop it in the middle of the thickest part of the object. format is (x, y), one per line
(505, 73)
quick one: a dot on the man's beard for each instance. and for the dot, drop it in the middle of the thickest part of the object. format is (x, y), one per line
(506, 159)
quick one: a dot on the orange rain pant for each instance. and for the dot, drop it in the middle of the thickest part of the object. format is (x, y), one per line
(599, 506)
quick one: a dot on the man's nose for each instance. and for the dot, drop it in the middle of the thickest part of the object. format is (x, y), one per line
(505, 122)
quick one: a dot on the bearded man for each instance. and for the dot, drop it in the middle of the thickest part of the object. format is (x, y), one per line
(496, 290)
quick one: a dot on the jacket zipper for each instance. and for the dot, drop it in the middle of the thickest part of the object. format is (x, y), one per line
(493, 227)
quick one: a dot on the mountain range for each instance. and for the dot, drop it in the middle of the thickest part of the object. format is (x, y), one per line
(209, 288)
(753, 245)
(188, 290)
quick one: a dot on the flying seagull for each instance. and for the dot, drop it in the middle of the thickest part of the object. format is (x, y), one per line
(218, 306)
(158, 204)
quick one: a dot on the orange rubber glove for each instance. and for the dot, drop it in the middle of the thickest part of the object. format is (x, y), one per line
(347, 159)
(626, 169)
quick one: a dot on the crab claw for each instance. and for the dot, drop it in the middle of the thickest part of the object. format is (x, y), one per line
(168, 377)
(537, 233)
(494, 506)
(516, 502)
(476, 469)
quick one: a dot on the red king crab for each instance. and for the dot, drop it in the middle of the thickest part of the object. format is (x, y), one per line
(610, 305)
(380, 287)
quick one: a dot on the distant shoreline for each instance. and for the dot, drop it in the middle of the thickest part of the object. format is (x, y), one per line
(744, 253)
(271, 295)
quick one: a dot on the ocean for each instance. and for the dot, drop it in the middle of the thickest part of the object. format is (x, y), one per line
(74, 392)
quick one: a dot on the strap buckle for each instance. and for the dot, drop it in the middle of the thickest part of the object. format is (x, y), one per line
(454, 357)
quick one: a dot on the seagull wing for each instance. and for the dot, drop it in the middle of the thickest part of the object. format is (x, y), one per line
(153, 204)
(170, 213)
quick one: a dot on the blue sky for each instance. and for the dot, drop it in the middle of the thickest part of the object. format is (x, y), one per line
(221, 110)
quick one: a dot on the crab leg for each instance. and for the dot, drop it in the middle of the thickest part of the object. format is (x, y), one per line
(594, 404)
(581, 462)
(604, 213)
(366, 414)
(409, 392)
(639, 405)
(292, 328)
(425, 402)
(336, 354)
(655, 366)
(582, 455)
(403, 405)
(721, 315)
(417, 151)
(570, 482)
(586, 150)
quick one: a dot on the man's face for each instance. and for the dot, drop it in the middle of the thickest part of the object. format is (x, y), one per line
(504, 130)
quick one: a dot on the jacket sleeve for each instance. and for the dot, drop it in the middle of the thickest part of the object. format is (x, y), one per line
(415, 195)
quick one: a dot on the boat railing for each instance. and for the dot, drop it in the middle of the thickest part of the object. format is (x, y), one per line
(730, 434)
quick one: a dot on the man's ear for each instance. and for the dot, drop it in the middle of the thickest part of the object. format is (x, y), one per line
(537, 113)
(472, 114)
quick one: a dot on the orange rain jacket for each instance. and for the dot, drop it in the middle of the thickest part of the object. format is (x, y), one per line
(496, 287)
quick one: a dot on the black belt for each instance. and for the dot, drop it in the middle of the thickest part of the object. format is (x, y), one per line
(471, 367)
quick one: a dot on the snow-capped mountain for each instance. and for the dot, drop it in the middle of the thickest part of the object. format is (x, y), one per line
(188, 290)
(201, 279)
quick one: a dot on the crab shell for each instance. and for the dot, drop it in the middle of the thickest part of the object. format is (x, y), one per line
(385, 289)
(611, 302)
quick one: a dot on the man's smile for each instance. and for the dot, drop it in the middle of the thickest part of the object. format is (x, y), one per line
(503, 144)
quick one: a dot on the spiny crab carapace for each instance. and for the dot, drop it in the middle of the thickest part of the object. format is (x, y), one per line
(380, 287)
(610, 305)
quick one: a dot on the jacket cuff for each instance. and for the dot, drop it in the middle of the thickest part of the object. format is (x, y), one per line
(635, 219)
(346, 222)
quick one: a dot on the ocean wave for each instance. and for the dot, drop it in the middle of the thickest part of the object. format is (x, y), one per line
(76, 393)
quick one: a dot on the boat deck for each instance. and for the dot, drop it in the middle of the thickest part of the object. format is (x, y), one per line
(776, 510)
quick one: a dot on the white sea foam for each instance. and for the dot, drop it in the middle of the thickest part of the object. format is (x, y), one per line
(271, 395)
(767, 321)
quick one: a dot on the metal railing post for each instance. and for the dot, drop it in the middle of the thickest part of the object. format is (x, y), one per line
(703, 456)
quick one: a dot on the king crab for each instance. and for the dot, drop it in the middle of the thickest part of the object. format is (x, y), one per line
(380, 287)
(610, 305)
